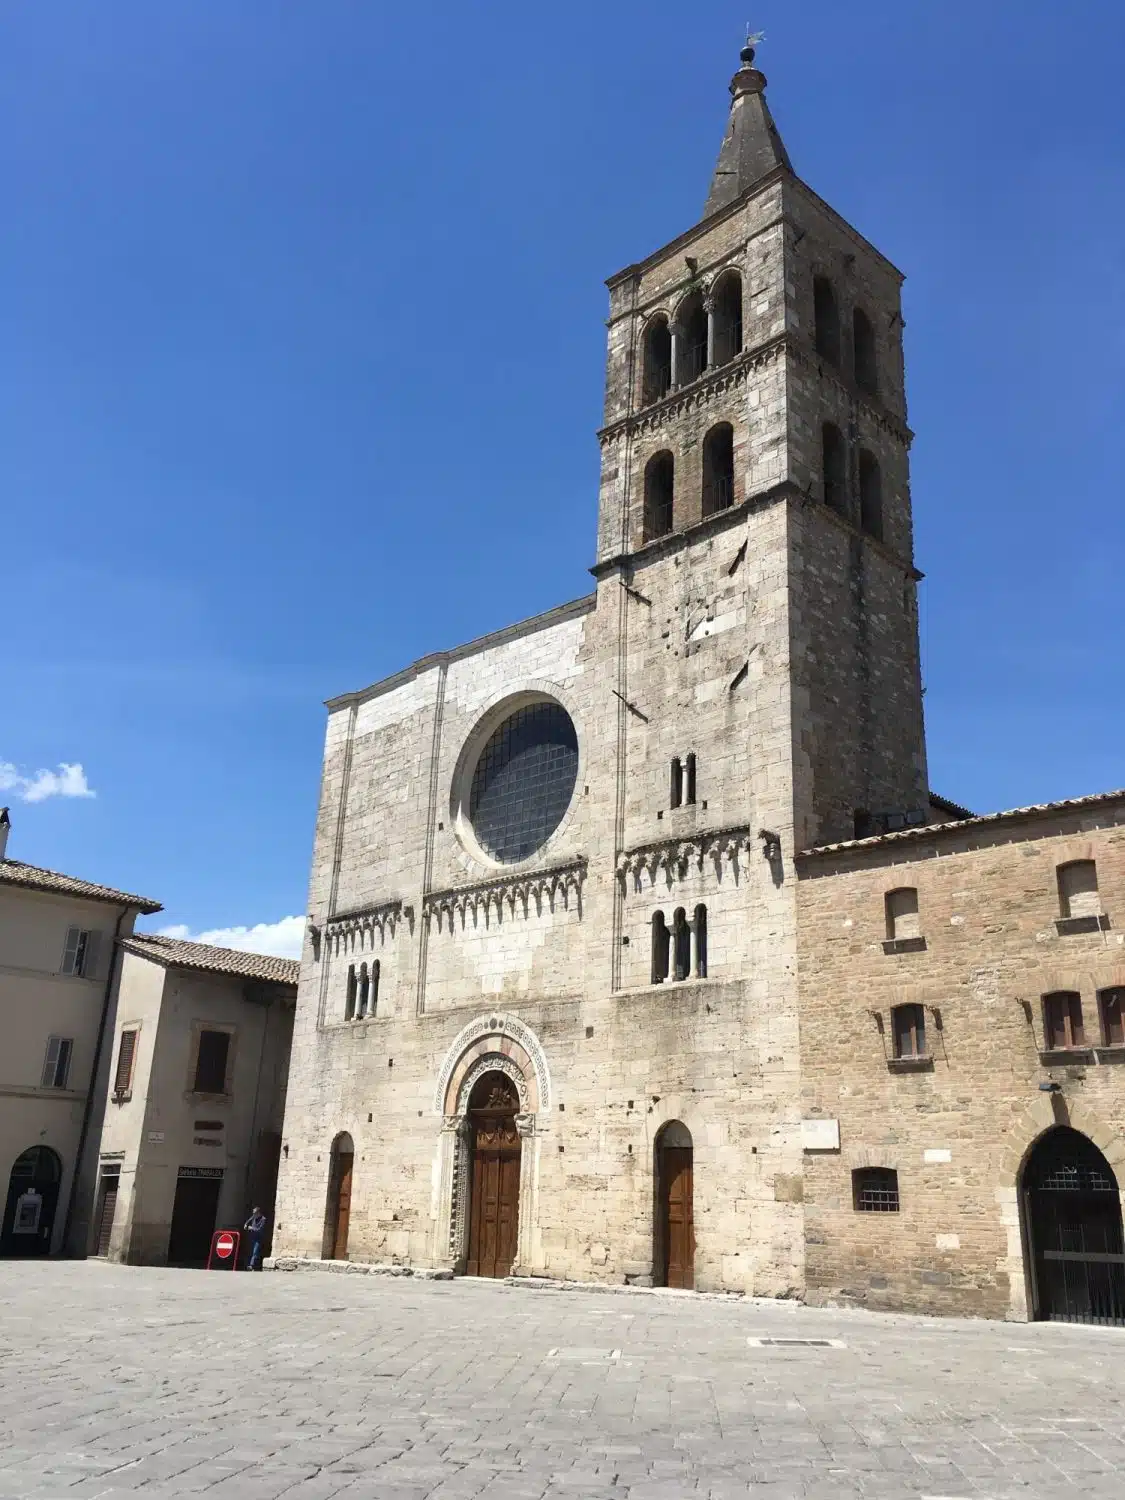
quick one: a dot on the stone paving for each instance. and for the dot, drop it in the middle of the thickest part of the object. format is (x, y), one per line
(121, 1382)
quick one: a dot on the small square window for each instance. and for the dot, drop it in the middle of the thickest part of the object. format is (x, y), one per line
(875, 1190)
(902, 914)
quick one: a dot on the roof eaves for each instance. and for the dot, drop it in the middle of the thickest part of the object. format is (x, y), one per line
(982, 820)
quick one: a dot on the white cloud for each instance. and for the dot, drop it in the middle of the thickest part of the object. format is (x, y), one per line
(68, 781)
(280, 939)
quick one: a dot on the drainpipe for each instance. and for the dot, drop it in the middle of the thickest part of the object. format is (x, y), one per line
(88, 1110)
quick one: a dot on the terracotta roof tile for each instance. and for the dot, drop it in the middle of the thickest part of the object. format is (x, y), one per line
(180, 954)
(34, 878)
(927, 830)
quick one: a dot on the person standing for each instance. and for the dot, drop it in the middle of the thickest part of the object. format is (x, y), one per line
(255, 1227)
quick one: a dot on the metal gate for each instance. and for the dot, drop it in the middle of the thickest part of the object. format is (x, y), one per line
(1073, 1216)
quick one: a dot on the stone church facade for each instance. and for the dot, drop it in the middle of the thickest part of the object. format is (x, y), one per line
(603, 906)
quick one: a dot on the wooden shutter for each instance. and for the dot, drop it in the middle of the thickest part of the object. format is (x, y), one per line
(124, 1075)
(70, 951)
(51, 1062)
(90, 956)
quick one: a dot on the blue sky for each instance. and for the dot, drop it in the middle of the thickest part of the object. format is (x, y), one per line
(302, 363)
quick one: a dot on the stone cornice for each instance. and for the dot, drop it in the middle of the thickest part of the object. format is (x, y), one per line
(383, 915)
(881, 415)
(516, 892)
(735, 372)
(700, 392)
(676, 856)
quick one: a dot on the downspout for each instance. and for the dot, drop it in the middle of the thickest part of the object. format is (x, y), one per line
(88, 1111)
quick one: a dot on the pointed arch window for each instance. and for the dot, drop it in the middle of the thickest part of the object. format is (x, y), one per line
(660, 482)
(718, 469)
(352, 993)
(364, 990)
(681, 944)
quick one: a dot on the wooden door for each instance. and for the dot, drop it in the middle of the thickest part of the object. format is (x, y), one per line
(194, 1211)
(679, 1224)
(494, 1204)
(105, 1217)
(342, 1203)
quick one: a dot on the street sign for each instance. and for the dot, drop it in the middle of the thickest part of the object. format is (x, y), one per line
(224, 1250)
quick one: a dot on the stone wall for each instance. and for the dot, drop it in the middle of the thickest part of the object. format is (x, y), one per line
(957, 1130)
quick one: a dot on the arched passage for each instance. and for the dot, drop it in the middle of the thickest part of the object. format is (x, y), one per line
(1072, 1225)
(494, 1193)
(673, 1249)
(337, 1210)
(33, 1196)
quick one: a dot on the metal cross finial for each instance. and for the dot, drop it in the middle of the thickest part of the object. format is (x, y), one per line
(752, 40)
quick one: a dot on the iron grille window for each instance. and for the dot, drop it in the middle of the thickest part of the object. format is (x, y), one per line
(211, 1062)
(875, 1190)
(524, 781)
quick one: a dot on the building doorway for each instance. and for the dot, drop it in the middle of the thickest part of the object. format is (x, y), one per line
(494, 1201)
(108, 1184)
(673, 1259)
(33, 1196)
(338, 1210)
(1072, 1226)
(194, 1211)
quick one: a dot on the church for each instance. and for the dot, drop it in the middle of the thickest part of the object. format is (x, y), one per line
(640, 951)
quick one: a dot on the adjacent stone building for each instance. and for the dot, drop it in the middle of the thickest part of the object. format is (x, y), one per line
(195, 1097)
(57, 936)
(591, 982)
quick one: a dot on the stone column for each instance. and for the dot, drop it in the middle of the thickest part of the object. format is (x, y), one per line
(709, 305)
(677, 341)
(693, 970)
(529, 1195)
(451, 1220)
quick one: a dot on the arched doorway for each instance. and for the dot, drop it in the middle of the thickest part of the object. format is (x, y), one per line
(673, 1258)
(339, 1206)
(495, 1192)
(33, 1195)
(1072, 1224)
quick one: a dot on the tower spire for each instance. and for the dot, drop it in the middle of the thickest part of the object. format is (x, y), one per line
(752, 146)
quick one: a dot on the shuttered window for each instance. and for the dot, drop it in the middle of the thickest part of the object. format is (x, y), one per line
(56, 1064)
(80, 953)
(211, 1062)
(126, 1050)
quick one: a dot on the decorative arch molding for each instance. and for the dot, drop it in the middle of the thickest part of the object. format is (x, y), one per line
(1043, 1114)
(500, 1035)
(492, 1062)
(872, 1156)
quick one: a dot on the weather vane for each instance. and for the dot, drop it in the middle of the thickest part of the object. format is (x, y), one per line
(754, 38)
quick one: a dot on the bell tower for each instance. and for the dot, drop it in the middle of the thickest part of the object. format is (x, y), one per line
(755, 387)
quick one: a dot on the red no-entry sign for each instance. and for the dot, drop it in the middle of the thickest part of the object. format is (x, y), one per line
(224, 1250)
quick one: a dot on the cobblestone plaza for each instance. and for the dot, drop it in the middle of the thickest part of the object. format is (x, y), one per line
(153, 1384)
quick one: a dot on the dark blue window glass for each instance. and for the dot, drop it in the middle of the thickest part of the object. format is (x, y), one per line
(524, 781)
